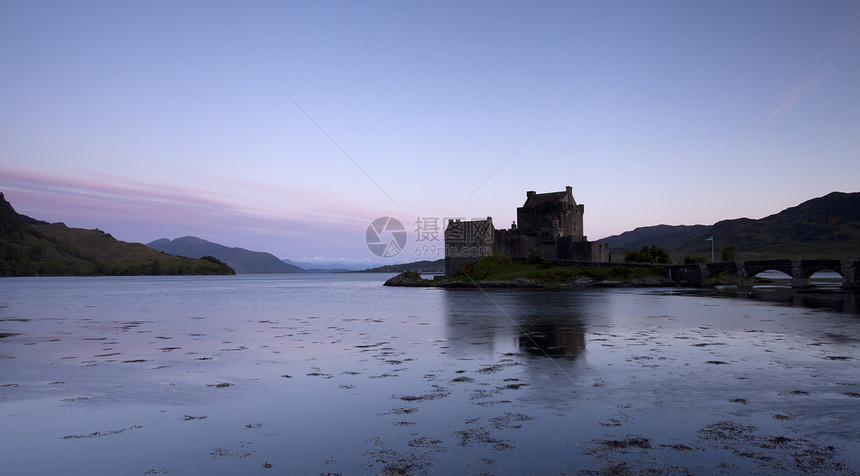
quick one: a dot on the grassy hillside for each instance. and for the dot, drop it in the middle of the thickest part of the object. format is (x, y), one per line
(502, 268)
(824, 227)
(828, 227)
(34, 248)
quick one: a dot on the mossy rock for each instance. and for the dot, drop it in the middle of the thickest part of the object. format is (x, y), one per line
(408, 278)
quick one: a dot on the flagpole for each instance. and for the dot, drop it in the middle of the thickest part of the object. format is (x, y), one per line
(711, 239)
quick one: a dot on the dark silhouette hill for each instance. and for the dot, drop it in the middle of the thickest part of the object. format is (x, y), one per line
(425, 266)
(664, 236)
(242, 260)
(31, 247)
(823, 227)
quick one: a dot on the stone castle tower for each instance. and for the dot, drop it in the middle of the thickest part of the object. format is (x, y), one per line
(549, 226)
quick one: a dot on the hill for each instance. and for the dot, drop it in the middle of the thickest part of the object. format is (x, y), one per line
(242, 260)
(664, 236)
(824, 227)
(31, 247)
(437, 266)
(324, 267)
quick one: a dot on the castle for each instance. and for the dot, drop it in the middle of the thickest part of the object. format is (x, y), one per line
(550, 228)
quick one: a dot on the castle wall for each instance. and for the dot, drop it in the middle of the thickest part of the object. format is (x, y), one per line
(551, 214)
(515, 243)
(576, 250)
(466, 242)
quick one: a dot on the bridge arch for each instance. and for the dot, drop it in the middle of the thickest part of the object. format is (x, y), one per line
(748, 270)
(713, 269)
(749, 280)
(810, 267)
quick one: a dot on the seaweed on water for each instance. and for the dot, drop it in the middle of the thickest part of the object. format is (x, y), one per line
(98, 434)
(508, 419)
(396, 463)
(462, 379)
(437, 393)
(631, 442)
(191, 417)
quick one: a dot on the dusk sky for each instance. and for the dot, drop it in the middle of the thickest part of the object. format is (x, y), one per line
(288, 127)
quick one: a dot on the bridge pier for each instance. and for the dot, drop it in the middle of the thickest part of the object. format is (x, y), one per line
(744, 281)
(704, 280)
(798, 281)
(849, 275)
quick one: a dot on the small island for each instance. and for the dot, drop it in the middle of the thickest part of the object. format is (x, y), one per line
(546, 248)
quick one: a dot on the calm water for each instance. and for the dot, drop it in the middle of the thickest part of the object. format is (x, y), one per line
(336, 374)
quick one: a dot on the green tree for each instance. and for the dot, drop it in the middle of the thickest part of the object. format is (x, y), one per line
(648, 254)
(729, 253)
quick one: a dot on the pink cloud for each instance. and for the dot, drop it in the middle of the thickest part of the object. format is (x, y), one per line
(140, 211)
(788, 101)
(48, 193)
(794, 95)
(850, 31)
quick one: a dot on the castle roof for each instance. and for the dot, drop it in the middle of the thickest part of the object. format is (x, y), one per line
(459, 222)
(538, 199)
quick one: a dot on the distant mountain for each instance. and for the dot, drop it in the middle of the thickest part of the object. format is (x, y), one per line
(240, 259)
(437, 266)
(324, 267)
(824, 227)
(31, 247)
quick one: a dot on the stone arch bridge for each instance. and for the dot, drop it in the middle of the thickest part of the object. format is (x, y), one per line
(702, 275)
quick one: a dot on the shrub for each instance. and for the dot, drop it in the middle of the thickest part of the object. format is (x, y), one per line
(729, 253)
(648, 254)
